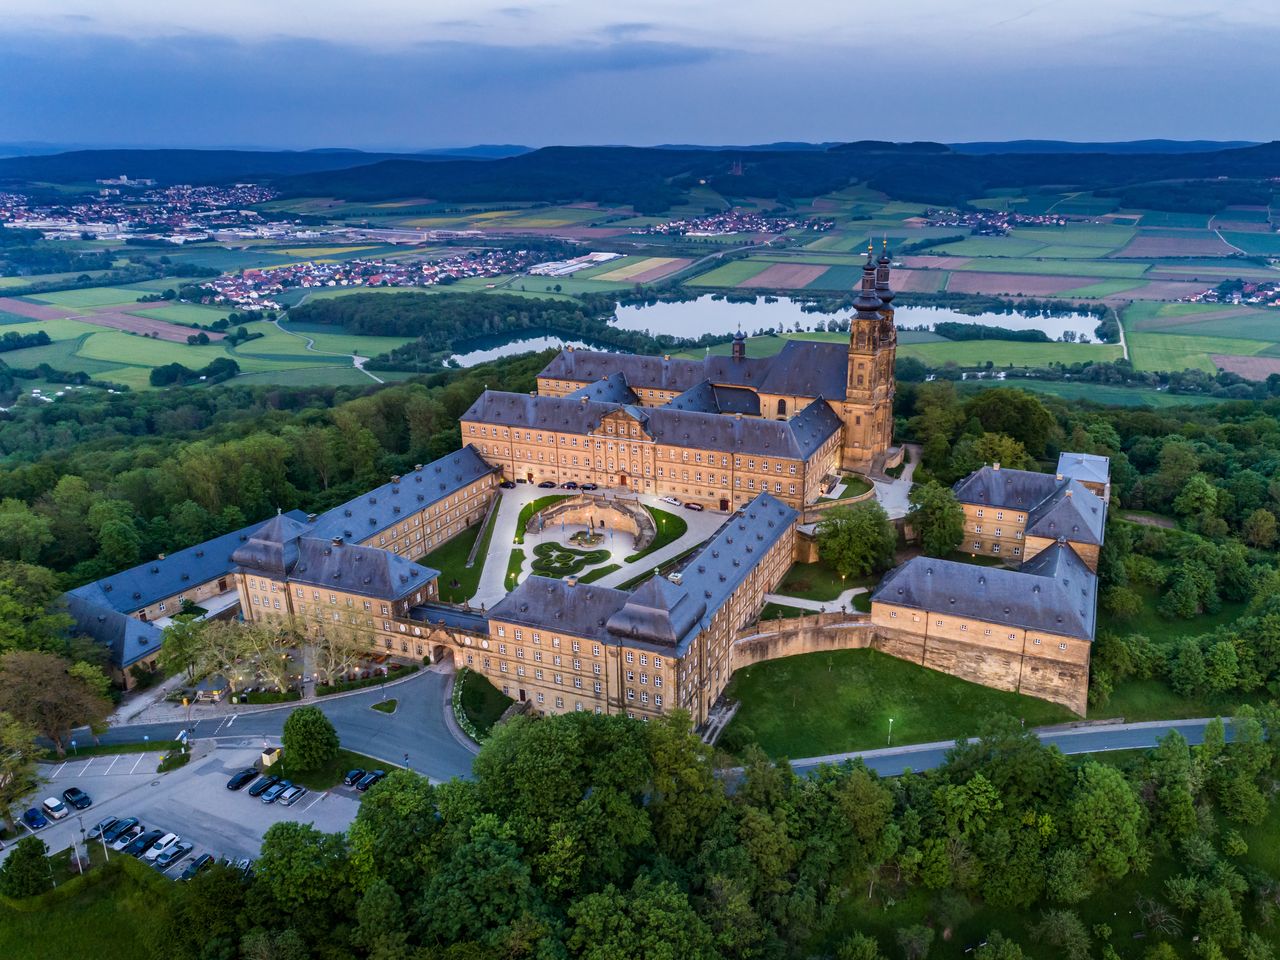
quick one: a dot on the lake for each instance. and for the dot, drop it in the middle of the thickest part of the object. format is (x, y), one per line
(693, 318)
(484, 349)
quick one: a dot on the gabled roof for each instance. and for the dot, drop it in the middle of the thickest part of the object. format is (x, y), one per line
(1053, 592)
(995, 486)
(140, 586)
(127, 639)
(659, 612)
(365, 571)
(611, 389)
(369, 514)
(1072, 511)
(809, 368)
(561, 606)
(1089, 467)
(707, 398)
(273, 547)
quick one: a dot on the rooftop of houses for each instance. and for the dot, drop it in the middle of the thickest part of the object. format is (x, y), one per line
(1087, 467)
(1055, 506)
(796, 438)
(350, 568)
(126, 638)
(610, 389)
(708, 398)
(1053, 592)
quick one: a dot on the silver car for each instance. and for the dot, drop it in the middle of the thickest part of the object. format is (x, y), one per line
(292, 795)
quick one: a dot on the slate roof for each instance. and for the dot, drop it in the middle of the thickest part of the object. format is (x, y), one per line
(365, 571)
(126, 638)
(796, 438)
(1072, 511)
(273, 547)
(707, 398)
(369, 514)
(1084, 466)
(131, 590)
(803, 368)
(1053, 592)
(430, 613)
(610, 389)
(1002, 487)
(659, 615)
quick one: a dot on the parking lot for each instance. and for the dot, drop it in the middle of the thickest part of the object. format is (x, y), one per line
(192, 801)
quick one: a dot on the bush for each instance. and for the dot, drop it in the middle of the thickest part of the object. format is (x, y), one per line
(396, 672)
(309, 739)
(26, 871)
(172, 761)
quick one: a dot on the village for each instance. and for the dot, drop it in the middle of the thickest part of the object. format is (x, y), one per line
(733, 222)
(989, 223)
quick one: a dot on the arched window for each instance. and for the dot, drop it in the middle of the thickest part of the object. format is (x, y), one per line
(782, 408)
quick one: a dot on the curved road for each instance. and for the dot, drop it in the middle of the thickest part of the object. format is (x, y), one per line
(420, 728)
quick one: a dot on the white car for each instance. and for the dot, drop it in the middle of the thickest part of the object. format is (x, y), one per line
(127, 837)
(160, 846)
(671, 500)
(54, 808)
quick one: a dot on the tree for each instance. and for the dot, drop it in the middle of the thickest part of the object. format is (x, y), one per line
(309, 739)
(23, 532)
(30, 615)
(859, 947)
(937, 518)
(653, 921)
(18, 753)
(1105, 818)
(1259, 529)
(999, 947)
(1016, 414)
(971, 453)
(333, 647)
(857, 540)
(39, 690)
(1198, 497)
(182, 647)
(1064, 929)
(915, 941)
(1219, 919)
(25, 872)
(303, 867)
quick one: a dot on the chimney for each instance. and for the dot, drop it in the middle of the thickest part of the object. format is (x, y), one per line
(395, 478)
(1068, 493)
(311, 518)
(666, 356)
(417, 467)
(995, 466)
(160, 556)
(570, 581)
(337, 541)
(1058, 477)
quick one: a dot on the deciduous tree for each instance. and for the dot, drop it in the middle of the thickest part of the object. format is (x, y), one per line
(937, 518)
(857, 540)
(309, 739)
(39, 690)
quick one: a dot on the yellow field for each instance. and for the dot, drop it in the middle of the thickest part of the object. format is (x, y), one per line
(635, 269)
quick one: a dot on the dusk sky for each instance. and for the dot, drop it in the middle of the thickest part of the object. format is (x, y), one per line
(395, 74)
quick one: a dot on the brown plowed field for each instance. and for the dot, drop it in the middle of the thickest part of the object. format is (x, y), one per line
(664, 270)
(161, 329)
(1023, 284)
(785, 276)
(1251, 368)
(36, 311)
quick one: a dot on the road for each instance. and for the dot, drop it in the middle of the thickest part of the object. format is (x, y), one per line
(418, 726)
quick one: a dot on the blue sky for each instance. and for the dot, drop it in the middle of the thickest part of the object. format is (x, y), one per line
(395, 74)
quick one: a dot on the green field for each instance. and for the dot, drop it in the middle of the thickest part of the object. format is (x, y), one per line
(1056, 268)
(92, 297)
(1164, 218)
(989, 247)
(1105, 288)
(1258, 244)
(1104, 394)
(1163, 351)
(825, 703)
(1003, 353)
(187, 314)
(731, 274)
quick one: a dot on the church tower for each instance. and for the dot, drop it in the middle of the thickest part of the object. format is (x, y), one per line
(873, 340)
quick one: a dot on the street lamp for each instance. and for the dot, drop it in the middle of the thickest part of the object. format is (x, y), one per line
(889, 742)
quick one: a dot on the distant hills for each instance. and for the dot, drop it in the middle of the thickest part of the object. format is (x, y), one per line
(653, 179)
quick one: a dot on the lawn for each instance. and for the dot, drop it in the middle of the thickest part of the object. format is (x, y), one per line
(854, 487)
(825, 703)
(599, 573)
(329, 775)
(110, 749)
(780, 611)
(451, 560)
(671, 527)
(482, 702)
(107, 917)
(515, 563)
(386, 706)
(819, 581)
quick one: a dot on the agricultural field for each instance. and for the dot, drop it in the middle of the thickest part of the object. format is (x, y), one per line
(1177, 336)
(1007, 353)
(729, 274)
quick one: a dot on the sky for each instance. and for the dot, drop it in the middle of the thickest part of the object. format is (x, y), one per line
(417, 74)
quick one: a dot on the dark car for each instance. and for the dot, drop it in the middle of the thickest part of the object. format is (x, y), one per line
(272, 793)
(547, 484)
(369, 779)
(569, 485)
(353, 777)
(77, 798)
(112, 833)
(196, 865)
(694, 506)
(142, 843)
(590, 486)
(508, 484)
(101, 827)
(266, 783)
(173, 854)
(242, 779)
(34, 819)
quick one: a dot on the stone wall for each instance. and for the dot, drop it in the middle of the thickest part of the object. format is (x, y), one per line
(621, 516)
(792, 636)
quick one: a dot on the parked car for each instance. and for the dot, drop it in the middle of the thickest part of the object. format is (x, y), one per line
(112, 833)
(266, 783)
(34, 819)
(101, 827)
(369, 779)
(292, 795)
(161, 845)
(547, 484)
(141, 844)
(353, 777)
(174, 854)
(508, 484)
(242, 779)
(272, 793)
(590, 486)
(128, 836)
(569, 485)
(54, 808)
(77, 798)
(694, 506)
(196, 865)
(670, 500)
